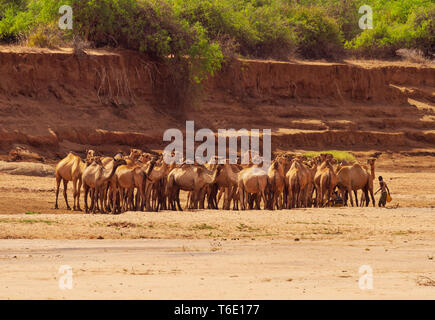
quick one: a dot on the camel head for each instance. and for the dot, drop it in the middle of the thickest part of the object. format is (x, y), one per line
(119, 155)
(94, 159)
(90, 154)
(135, 154)
(371, 162)
(145, 157)
(317, 160)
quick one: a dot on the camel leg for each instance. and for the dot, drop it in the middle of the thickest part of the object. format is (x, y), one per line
(103, 207)
(86, 188)
(202, 199)
(242, 199)
(371, 196)
(93, 206)
(121, 199)
(189, 195)
(79, 187)
(225, 194)
(349, 191)
(321, 196)
(148, 191)
(65, 186)
(74, 184)
(177, 198)
(356, 197)
(58, 180)
(112, 199)
(264, 200)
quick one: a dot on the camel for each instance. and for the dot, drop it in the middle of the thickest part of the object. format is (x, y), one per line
(276, 179)
(155, 176)
(252, 180)
(312, 169)
(68, 169)
(325, 180)
(226, 182)
(135, 154)
(356, 177)
(188, 178)
(129, 177)
(95, 176)
(297, 180)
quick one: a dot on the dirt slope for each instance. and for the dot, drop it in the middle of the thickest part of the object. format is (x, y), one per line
(52, 102)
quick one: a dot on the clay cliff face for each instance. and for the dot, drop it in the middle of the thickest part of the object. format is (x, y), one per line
(54, 102)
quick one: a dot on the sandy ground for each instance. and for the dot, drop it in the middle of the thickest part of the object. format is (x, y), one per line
(201, 269)
(214, 254)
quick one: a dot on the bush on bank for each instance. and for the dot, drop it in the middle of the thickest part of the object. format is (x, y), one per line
(209, 31)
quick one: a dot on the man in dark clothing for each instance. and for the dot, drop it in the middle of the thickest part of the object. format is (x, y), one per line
(383, 188)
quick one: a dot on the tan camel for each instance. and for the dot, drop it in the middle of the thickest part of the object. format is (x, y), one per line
(325, 181)
(129, 177)
(276, 179)
(134, 156)
(70, 169)
(95, 177)
(297, 180)
(188, 178)
(252, 180)
(356, 177)
(227, 181)
(160, 171)
(312, 169)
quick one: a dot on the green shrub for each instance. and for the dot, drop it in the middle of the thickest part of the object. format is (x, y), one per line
(21, 18)
(397, 24)
(318, 35)
(44, 37)
(150, 27)
(207, 30)
(339, 155)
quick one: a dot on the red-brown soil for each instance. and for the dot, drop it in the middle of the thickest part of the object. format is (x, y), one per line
(53, 102)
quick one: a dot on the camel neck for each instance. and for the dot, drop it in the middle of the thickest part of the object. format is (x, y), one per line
(111, 170)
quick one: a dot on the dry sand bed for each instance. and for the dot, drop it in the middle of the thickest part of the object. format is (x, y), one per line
(201, 269)
(290, 254)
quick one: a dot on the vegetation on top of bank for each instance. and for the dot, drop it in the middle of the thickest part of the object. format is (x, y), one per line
(210, 32)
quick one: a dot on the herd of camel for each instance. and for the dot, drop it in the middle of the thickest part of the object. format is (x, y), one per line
(142, 181)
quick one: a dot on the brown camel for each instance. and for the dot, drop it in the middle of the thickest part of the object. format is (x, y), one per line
(70, 169)
(188, 178)
(227, 181)
(325, 181)
(297, 180)
(129, 177)
(95, 177)
(160, 171)
(356, 177)
(252, 180)
(312, 169)
(276, 179)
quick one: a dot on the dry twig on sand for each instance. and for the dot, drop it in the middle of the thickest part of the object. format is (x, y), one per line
(425, 281)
